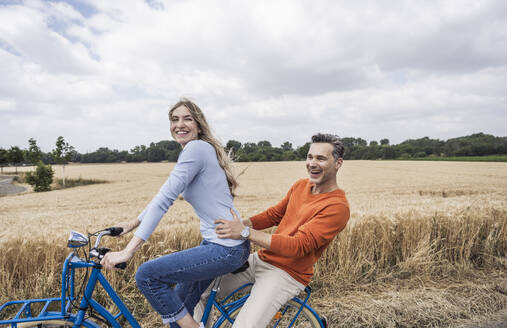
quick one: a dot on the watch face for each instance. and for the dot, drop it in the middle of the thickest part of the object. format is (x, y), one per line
(246, 232)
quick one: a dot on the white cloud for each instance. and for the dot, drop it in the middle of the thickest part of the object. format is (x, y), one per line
(103, 73)
(7, 105)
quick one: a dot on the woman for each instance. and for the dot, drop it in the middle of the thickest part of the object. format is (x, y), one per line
(203, 175)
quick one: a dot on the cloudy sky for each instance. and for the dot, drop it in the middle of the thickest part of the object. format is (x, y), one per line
(104, 73)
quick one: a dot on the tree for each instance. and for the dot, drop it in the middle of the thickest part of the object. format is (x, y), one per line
(62, 154)
(232, 148)
(477, 144)
(155, 154)
(384, 142)
(138, 154)
(286, 146)
(264, 143)
(427, 145)
(42, 178)
(15, 156)
(34, 154)
(4, 158)
(389, 152)
(360, 142)
(171, 149)
(348, 142)
(302, 151)
(234, 145)
(249, 147)
(289, 156)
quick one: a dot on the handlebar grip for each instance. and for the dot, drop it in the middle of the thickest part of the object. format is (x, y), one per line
(115, 231)
(122, 265)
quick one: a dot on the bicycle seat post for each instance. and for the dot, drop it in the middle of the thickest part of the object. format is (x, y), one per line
(216, 284)
(215, 287)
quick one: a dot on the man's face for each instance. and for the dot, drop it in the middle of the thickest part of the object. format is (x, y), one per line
(320, 163)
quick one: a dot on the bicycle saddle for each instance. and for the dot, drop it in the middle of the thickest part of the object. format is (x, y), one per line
(242, 268)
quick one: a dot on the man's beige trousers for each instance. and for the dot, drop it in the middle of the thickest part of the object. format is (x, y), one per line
(272, 288)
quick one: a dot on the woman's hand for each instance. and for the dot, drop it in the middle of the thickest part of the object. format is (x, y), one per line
(229, 229)
(112, 258)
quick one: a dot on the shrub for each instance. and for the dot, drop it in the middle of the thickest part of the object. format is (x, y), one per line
(42, 178)
(70, 183)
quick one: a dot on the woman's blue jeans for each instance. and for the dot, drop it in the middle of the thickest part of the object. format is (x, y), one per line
(191, 271)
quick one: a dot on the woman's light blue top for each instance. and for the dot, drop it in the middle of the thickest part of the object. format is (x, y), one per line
(202, 182)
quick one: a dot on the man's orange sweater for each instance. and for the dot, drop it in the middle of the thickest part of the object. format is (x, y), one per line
(307, 224)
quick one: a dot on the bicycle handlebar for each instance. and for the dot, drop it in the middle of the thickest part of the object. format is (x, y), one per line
(115, 231)
(121, 265)
(99, 252)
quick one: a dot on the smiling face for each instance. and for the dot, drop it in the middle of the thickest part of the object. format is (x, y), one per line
(184, 128)
(321, 165)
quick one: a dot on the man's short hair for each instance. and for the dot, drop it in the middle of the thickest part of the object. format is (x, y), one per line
(334, 140)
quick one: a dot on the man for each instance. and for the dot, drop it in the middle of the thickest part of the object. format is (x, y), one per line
(308, 218)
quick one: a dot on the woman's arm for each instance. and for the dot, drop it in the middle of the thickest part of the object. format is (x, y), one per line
(128, 226)
(190, 162)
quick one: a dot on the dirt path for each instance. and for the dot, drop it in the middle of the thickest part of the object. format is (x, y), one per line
(6, 186)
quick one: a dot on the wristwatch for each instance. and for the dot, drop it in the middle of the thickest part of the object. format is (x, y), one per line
(245, 233)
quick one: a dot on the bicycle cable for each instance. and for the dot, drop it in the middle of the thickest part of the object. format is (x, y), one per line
(77, 296)
(80, 292)
(91, 313)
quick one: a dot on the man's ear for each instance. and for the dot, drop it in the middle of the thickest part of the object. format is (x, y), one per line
(338, 163)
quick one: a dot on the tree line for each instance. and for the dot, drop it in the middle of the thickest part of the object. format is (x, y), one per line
(478, 144)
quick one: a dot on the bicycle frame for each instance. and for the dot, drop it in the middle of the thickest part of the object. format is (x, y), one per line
(87, 300)
(73, 262)
(224, 308)
(227, 308)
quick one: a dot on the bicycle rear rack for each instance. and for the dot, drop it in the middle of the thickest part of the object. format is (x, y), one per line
(26, 309)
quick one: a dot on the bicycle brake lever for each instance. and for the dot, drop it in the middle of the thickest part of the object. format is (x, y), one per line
(101, 251)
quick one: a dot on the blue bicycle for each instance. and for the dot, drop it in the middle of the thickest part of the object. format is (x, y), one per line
(79, 309)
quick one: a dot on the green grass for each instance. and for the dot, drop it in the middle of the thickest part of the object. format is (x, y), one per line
(488, 158)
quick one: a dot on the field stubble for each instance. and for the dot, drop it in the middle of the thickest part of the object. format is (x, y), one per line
(425, 246)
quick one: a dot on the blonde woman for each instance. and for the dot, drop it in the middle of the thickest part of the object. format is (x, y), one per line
(203, 175)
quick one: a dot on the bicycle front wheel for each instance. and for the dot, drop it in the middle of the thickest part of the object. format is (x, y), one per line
(53, 324)
(284, 317)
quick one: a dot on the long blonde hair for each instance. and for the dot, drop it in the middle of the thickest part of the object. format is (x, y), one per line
(206, 135)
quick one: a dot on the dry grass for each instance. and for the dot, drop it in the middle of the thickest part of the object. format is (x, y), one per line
(407, 258)
(72, 183)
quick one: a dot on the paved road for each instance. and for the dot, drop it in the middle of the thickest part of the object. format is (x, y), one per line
(6, 186)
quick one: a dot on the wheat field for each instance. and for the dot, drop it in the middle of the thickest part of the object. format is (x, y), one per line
(425, 245)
